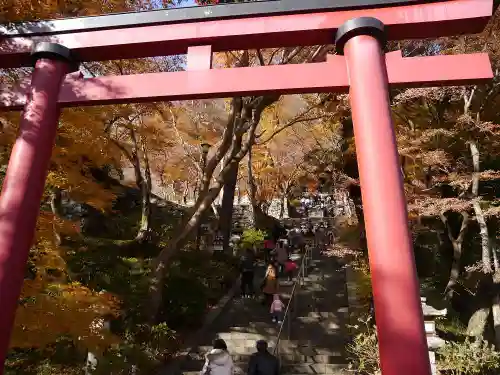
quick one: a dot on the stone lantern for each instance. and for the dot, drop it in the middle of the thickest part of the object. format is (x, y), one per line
(433, 341)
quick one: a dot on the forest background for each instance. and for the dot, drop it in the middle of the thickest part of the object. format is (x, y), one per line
(114, 221)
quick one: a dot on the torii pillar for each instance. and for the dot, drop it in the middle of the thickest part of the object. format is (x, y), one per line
(403, 348)
(24, 181)
(394, 277)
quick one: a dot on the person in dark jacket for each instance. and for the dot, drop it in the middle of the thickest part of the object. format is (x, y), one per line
(247, 269)
(263, 362)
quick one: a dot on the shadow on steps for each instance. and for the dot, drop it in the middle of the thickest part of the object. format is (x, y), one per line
(318, 336)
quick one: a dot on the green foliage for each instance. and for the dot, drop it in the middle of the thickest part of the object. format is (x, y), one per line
(451, 326)
(363, 282)
(468, 358)
(142, 351)
(194, 283)
(251, 238)
(363, 351)
(55, 359)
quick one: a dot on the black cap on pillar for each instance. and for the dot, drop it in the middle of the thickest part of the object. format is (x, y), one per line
(359, 26)
(53, 51)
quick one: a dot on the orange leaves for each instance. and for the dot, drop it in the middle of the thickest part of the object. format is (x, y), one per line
(51, 306)
(48, 223)
(49, 311)
(19, 10)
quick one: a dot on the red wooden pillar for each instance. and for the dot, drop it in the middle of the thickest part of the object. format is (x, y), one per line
(25, 178)
(398, 312)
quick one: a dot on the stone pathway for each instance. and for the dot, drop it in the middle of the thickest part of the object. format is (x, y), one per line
(317, 337)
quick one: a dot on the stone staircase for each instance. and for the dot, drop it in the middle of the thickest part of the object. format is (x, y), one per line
(242, 218)
(316, 341)
(318, 335)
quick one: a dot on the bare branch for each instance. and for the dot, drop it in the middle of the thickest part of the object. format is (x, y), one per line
(297, 119)
(185, 146)
(286, 59)
(260, 57)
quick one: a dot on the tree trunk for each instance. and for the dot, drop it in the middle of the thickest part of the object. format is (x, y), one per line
(203, 204)
(226, 211)
(457, 252)
(478, 321)
(164, 258)
(144, 232)
(219, 197)
(185, 194)
(485, 239)
(252, 187)
(163, 261)
(494, 279)
(282, 206)
(56, 207)
(135, 159)
(496, 264)
(495, 307)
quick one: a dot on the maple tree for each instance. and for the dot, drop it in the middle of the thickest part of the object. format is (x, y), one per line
(448, 145)
(89, 140)
(288, 155)
(52, 305)
(241, 131)
(448, 141)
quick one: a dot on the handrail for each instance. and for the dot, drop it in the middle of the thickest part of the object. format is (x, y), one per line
(298, 281)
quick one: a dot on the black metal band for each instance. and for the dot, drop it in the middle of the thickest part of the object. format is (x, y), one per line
(359, 26)
(234, 10)
(53, 51)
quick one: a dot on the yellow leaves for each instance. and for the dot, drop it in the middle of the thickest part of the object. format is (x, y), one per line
(49, 311)
(48, 224)
(50, 307)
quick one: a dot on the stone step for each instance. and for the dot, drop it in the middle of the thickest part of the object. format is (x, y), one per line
(339, 314)
(335, 349)
(289, 356)
(340, 371)
(317, 342)
(333, 297)
(314, 368)
(291, 359)
(238, 369)
(286, 368)
(306, 344)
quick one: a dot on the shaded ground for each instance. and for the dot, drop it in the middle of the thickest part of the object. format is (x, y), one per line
(317, 335)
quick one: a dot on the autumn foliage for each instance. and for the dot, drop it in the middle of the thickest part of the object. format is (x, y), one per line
(109, 230)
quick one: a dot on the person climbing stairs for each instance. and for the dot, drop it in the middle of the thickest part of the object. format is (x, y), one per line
(312, 338)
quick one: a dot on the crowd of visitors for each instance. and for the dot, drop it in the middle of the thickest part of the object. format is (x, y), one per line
(278, 255)
(320, 202)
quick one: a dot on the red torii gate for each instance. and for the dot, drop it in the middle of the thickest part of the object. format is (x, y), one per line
(361, 67)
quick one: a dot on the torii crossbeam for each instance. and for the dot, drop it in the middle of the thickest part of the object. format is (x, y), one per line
(360, 29)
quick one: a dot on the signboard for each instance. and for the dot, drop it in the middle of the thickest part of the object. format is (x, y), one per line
(218, 244)
(193, 14)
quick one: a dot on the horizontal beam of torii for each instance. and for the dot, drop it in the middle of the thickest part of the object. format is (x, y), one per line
(260, 8)
(360, 34)
(441, 18)
(198, 83)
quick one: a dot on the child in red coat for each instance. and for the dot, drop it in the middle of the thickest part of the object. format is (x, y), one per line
(290, 269)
